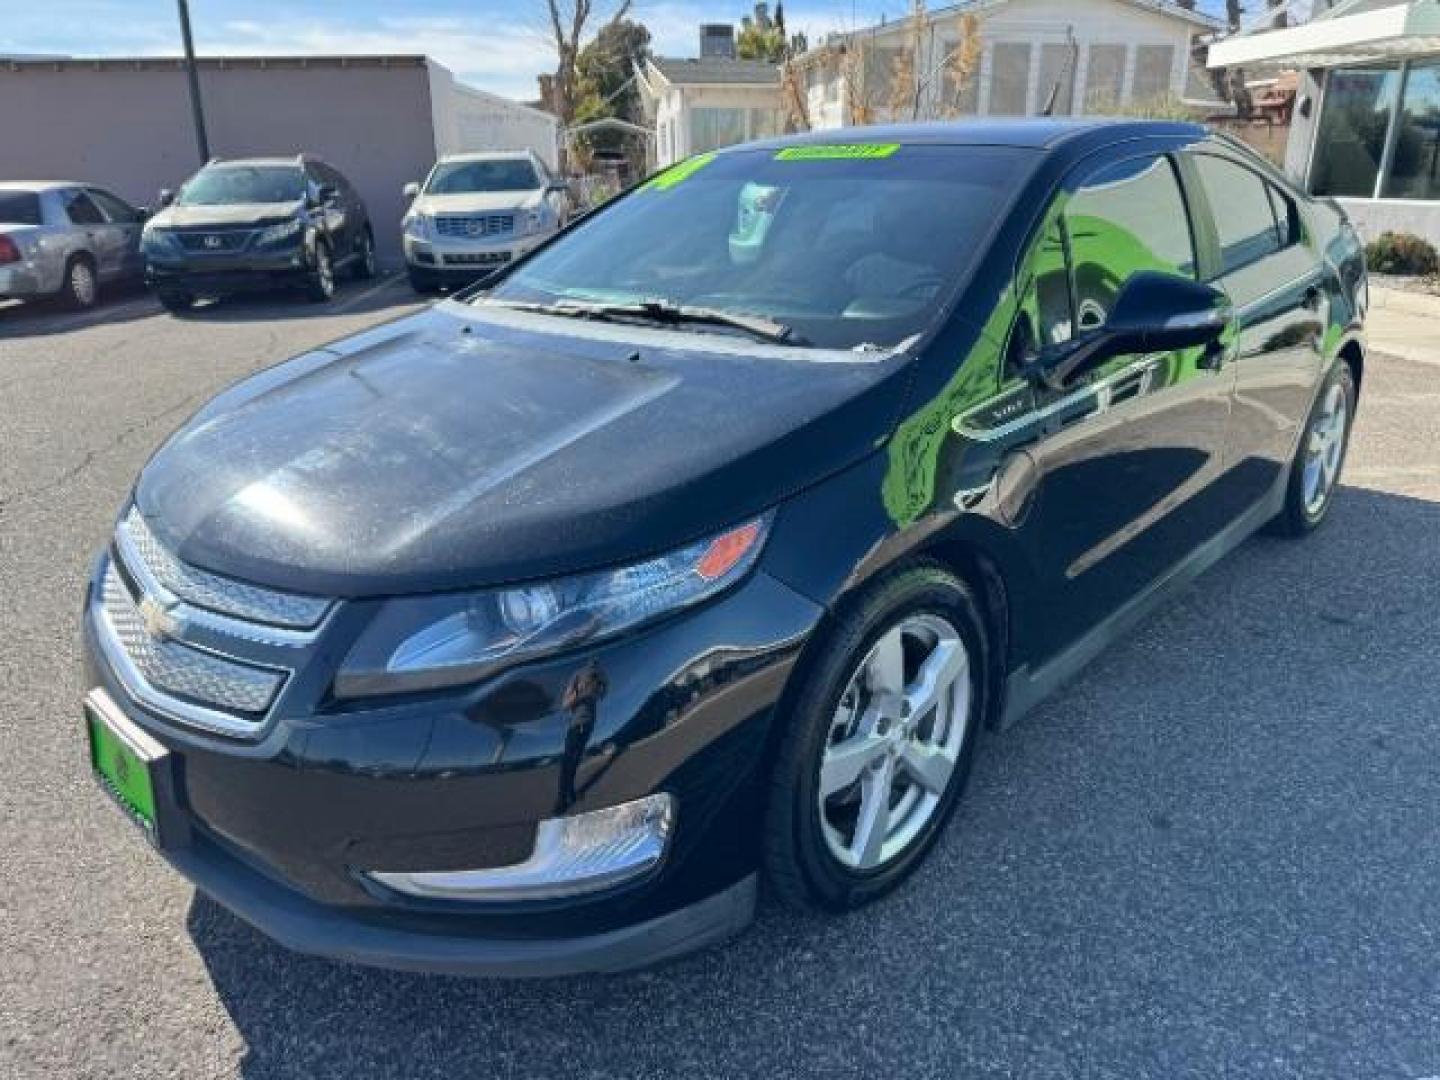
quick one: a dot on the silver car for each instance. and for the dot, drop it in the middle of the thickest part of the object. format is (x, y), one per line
(475, 213)
(66, 240)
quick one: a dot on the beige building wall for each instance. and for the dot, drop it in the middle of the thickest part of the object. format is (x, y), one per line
(126, 125)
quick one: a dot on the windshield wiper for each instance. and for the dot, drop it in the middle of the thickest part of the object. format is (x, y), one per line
(667, 312)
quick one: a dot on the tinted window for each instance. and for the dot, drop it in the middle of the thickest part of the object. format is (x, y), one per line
(1351, 136)
(1125, 218)
(1415, 168)
(463, 177)
(116, 209)
(1245, 222)
(846, 249)
(19, 208)
(81, 210)
(229, 185)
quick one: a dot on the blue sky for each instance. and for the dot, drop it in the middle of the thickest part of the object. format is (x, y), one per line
(498, 45)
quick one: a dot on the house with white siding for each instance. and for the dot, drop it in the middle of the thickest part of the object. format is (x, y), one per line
(1076, 56)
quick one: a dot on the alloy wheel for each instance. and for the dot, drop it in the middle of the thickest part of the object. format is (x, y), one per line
(82, 283)
(894, 742)
(1324, 449)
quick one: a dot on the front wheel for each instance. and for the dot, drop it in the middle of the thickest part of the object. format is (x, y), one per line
(878, 749)
(321, 284)
(364, 265)
(1315, 471)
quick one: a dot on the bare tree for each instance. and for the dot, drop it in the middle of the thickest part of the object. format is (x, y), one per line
(568, 21)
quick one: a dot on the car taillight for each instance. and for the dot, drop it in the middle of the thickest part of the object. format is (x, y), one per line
(9, 251)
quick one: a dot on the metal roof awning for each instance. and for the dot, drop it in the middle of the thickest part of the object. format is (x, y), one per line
(1382, 32)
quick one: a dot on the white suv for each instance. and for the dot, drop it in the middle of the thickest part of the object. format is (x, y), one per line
(475, 213)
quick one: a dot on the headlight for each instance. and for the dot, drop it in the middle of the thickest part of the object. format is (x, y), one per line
(416, 226)
(429, 642)
(156, 239)
(535, 220)
(279, 233)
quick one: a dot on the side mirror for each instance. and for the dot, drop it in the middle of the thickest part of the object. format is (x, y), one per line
(410, 190)
(557, 187)
(165, 198)
(1153, 312)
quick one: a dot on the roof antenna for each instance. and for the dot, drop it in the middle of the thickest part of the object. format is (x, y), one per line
(1054, 95)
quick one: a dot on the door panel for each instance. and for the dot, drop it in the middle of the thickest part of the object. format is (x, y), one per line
(1126, 457)
(1273, 279)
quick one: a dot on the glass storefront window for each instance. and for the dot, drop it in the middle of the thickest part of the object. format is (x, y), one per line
(1415, 166)
(1350, 138)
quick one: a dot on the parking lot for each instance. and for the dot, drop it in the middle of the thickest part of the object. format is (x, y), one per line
(1214, 854)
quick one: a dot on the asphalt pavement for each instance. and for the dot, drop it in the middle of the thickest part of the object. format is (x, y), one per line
(1215, 854)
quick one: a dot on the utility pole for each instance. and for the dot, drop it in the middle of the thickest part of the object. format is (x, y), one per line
(196, 108)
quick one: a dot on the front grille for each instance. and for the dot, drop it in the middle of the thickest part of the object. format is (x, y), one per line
(175, 668)
(213, 592)
(474, 226)
(215, 241)
(203, 650)
(478, 258)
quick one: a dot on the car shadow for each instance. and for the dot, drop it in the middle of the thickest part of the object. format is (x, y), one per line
(388, 289)
(120, 302)
(1186, 856)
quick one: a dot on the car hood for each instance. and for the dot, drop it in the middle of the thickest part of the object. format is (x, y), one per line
(465, 447)
(478, 202)
(185, 217)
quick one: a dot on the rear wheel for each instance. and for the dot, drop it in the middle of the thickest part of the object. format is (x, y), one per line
(879, 746)
(81, 288)
(1315, 472)
(321, 284)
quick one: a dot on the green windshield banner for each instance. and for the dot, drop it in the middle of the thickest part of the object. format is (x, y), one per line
(676, 173)
(842, 152)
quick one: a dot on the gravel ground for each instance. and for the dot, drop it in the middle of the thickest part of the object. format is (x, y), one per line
(1212, 855)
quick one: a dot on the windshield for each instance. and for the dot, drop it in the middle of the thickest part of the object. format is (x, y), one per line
(227, 185)
(849, 246)
(20, 207)
(464, 177)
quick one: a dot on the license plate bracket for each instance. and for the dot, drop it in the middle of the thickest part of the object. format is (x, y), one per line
(135, 770)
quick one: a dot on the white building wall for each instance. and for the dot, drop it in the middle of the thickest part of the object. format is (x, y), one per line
(675, 115)
(466, 119)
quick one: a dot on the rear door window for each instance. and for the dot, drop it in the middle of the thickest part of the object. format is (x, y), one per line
(82, 210)
(1247, 224)
(1125, 218)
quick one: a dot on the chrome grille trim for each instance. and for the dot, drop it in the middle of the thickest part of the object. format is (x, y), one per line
(144, 557)
(473, 226)
(175, 679)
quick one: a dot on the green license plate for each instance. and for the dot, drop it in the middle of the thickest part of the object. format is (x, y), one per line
(123, 759)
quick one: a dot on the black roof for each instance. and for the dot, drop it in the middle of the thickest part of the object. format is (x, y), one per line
(1038, 133)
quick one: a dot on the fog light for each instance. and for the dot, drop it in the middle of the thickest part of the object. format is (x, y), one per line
(573, 855)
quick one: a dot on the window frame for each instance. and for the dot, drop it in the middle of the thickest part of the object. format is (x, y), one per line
(1200, 241)
(1213, 259)
(99, 196)
(74, 195)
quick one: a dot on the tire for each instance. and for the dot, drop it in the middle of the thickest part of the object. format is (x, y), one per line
(80, 288)
(320, 286)
(1309, 494)
(174, 301)
(809, 860)
(364, 264)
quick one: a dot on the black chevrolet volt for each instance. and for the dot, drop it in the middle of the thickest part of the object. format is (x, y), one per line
(535, 633)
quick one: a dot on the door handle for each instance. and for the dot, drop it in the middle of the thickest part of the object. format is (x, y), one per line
(1311, 299)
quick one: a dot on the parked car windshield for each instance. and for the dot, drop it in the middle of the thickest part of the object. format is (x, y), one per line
(19, 208)
(225, 185)
(464, 177)
(848, 246)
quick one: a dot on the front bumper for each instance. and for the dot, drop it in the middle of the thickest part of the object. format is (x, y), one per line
(283, 828)
(229, 273)
(445, 261)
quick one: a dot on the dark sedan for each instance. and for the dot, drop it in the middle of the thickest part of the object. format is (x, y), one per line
(526, 634)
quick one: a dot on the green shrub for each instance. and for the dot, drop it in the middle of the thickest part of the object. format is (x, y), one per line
(1401, 253)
